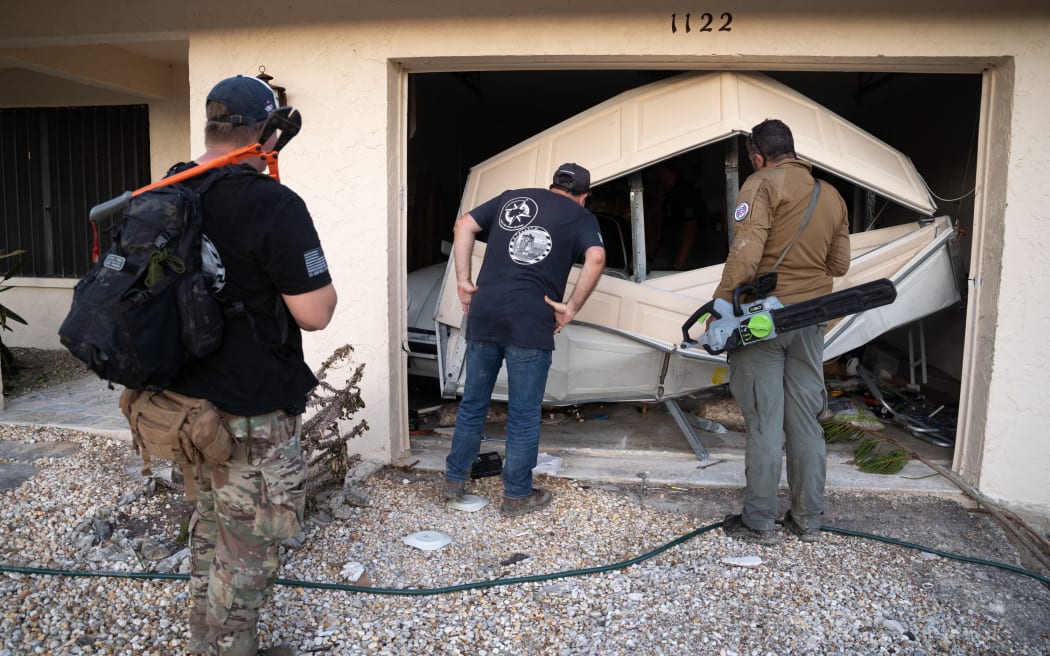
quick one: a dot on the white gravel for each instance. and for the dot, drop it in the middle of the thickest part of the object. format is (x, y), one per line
(705, 596)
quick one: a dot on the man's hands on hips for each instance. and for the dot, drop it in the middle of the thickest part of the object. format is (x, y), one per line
(465, 289)
(563, 314)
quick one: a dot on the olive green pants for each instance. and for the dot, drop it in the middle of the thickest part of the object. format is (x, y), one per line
(779, 386)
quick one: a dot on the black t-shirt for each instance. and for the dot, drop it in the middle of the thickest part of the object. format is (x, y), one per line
(534, 237)
(267, 244)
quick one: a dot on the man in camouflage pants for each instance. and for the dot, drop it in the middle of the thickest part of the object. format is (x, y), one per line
(245, 507)
(265, 261)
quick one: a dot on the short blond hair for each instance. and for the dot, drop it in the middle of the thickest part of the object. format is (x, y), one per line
(221, 132)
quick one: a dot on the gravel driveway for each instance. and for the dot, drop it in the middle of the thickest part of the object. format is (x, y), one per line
(82, 506)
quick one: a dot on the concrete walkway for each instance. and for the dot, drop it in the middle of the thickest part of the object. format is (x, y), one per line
(86, 404)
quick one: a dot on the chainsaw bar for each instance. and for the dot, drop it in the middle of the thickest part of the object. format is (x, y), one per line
(832, 306)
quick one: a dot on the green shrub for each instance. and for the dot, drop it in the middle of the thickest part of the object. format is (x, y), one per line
(7, 359)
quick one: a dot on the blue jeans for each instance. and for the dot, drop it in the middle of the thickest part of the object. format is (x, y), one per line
(526, 380)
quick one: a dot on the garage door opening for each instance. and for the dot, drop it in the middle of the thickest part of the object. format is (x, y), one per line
(458, 120)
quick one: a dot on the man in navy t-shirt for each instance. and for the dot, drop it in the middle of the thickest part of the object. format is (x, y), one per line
(533, 237)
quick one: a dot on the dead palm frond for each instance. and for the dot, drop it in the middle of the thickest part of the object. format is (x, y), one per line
(325, 441)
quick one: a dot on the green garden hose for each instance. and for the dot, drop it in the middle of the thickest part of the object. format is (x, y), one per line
(524, 579)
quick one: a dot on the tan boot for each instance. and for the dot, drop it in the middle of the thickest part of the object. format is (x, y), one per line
(199, 647)
(453, 490)
(200, 643)
(537, 499)
(237, 643)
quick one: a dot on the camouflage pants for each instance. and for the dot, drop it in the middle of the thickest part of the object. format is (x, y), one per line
(245, 507)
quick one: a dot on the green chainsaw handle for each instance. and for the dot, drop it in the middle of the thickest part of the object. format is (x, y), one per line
(709, 308)
(699, 316)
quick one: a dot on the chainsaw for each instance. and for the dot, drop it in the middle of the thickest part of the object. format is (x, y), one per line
(736, 324)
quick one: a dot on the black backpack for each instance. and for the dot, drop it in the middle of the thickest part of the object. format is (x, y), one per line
(145, 308)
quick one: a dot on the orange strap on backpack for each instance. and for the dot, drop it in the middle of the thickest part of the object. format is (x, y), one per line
(284, 121)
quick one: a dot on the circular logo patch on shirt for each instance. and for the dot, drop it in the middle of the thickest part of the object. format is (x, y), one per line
(211, 264)
(530, 245)
(517, 213)
(741, 211)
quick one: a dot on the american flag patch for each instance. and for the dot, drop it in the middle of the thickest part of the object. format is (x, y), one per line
(315, 262)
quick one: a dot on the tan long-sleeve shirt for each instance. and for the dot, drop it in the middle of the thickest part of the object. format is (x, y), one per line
(772, 204)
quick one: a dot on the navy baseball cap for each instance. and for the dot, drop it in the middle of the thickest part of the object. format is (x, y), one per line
(249, 100)
(573, 178)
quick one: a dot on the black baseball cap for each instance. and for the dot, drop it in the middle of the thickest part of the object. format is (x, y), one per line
(248, 99)
(573, 178)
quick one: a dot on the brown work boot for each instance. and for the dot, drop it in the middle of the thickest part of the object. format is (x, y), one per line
(734, 527)
(538, 498)
(200, 643)
(453, 490)
(808, 534)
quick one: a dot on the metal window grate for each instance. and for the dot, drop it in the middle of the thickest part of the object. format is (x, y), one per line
(55, 165)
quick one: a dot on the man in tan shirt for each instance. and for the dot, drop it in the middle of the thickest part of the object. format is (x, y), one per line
(779, 383)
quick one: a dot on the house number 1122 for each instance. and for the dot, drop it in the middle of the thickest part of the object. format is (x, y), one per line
(707, 23)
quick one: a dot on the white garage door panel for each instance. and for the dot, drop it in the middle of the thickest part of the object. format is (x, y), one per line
(651, 123)
(514, 167)
(595, 140)
(760, 98)
(679, 117)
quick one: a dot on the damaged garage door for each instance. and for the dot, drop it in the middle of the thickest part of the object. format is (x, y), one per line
(625, 343)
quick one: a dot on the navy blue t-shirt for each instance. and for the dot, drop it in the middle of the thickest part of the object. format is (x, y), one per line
(534, 237)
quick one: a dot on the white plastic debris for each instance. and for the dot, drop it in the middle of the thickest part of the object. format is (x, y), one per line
(742, 561)
(352, 571)
(428, 540)
(469, 503)
(547, 464)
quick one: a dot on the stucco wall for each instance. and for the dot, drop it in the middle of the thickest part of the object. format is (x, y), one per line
(340, 62)
(1016, 452)
(43, 303)
(339, 163)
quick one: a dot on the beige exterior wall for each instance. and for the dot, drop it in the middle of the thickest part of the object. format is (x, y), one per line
(342, 63)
